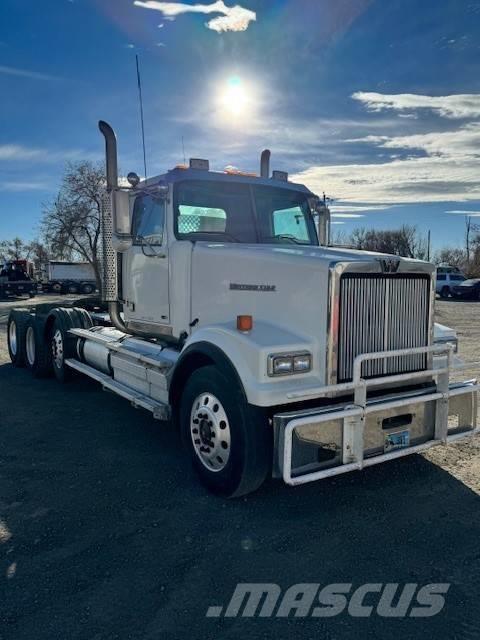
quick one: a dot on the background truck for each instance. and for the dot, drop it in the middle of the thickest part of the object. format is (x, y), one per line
(16, 279)
(68, 277)
(272, 352)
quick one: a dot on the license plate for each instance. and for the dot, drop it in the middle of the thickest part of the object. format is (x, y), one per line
(398, 440)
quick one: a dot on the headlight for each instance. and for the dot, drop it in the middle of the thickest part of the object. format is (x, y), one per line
(284, 364)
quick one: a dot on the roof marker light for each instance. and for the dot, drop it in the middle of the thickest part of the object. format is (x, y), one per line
(280, 175)
(199, 163)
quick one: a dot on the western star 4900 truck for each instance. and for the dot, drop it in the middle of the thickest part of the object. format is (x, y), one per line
(274, 353)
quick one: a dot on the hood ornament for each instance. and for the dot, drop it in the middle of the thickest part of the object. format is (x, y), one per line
(389, 265)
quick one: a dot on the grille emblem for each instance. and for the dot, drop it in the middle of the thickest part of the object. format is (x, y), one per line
(389, 265)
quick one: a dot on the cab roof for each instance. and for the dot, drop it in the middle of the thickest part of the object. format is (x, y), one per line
(179, 174)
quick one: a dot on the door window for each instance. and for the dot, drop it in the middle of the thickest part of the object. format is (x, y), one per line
(148, 220)
(291, 223)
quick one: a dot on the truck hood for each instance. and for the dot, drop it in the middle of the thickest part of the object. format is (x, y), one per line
(314, 254)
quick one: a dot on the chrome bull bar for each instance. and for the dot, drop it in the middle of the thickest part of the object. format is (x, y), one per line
(353, 416)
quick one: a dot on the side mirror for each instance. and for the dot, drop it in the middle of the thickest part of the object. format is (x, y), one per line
(122, 239)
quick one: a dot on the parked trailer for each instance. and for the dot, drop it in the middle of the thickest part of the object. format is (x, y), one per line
(273, 353)
(69, 277)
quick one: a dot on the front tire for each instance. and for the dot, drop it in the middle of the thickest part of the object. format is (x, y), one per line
(445, 292)
(229, 441)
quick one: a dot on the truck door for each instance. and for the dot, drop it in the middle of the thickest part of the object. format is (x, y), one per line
(146, 277)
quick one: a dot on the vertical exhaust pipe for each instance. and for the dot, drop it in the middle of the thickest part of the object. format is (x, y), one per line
(111, 259)
(323, 213)
(110, 154)
(265, 163)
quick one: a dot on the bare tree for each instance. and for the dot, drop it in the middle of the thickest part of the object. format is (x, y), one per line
(406, 241)
(71, 224)
(15, 249)
(452, 256)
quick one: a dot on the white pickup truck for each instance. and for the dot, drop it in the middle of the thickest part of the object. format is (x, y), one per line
(274, 353)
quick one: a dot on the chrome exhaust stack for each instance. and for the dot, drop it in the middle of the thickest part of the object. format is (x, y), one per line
(265, 163)
(110, 154)
(323, 213)
(110, 263)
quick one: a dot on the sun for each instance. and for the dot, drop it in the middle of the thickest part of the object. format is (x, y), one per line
(235, 98)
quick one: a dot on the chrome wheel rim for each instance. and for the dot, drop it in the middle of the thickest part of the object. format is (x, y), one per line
(57, 349)
(210, 432)
(30, 346)
(12, 337)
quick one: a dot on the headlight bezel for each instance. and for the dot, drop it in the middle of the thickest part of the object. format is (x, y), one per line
(288, 356)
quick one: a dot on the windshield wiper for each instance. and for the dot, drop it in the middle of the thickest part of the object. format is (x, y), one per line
(283, 236)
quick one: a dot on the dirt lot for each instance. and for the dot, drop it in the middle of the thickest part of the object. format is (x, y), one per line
(104, 532)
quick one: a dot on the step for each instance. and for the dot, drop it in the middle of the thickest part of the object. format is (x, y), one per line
(160, 410)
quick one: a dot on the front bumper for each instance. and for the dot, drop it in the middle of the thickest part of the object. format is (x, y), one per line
(318, 443)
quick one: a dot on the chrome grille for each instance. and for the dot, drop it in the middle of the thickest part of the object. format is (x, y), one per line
(379, 312)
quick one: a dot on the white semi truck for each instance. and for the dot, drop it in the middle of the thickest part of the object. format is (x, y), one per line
(274, 353)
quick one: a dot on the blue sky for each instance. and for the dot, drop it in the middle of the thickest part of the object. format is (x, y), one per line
(375, 102)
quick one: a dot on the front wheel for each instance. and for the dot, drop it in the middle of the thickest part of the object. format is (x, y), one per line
(229, 441)
(445, 292)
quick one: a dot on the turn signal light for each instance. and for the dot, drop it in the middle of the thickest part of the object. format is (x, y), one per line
(244, 323)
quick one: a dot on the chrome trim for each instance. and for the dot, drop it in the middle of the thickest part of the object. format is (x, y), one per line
(149, 328)
(293, 354)
(336, 270)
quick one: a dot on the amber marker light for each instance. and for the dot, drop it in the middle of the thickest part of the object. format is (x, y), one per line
(244, 323)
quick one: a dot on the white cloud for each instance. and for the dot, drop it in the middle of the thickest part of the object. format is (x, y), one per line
(400, 181)
(459, 212)
(24, 186)
(23, 73)
(459, 143)
(17, 152)
(358, 207)
(347, 215)
(445, 167)
(235, 18)
(453, 106)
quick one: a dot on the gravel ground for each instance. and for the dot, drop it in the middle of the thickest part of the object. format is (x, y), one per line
(104, 532)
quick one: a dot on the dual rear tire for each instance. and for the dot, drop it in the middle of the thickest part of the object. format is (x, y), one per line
(16, 330)
(42, 346)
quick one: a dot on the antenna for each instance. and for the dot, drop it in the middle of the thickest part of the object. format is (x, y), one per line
(139, 84)
(183, 149)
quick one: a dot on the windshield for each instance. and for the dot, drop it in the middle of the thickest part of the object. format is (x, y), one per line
(235, 212)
